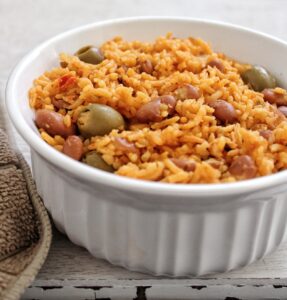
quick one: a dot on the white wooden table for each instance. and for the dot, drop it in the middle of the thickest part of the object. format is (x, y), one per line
(70, 272)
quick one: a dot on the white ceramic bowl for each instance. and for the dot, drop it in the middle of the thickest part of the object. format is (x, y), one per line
(153, 227)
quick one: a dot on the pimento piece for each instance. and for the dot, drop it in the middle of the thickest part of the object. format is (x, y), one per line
(67, 81)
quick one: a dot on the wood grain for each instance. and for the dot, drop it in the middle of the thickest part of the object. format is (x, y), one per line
(70, 267)
(86, 268)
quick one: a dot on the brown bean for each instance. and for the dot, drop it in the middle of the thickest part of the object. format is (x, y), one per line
(274, 98)
(187, 91)
(59, 103)
(283, 110)
(266, 133)
(224, 111)
(185, 164)
(217, 63)
(243, 167)
(170, 101)
(146, 67)
(53, 123)
(73, 147)
(124, 145)
(150, 112)
(63, 64)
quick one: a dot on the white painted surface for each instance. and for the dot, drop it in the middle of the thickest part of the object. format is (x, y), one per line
(24, 24)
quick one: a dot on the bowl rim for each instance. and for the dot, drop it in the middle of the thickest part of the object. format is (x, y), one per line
(90, 174)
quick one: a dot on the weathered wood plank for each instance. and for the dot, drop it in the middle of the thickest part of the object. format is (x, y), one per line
(67, 260)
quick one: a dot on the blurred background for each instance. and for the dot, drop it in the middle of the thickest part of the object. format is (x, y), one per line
(26, 23)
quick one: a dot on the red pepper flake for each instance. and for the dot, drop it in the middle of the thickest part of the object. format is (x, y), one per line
(66, 81)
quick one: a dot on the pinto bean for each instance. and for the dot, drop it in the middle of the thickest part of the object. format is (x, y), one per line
(170, 101)
(73, 147)
(59, 103)
(274, 98)
(146, 67)
(53, 123)
(224, 111)
(150, 112)
(187, 91)
(185, 164)
(266, 133)
(124, 145)
(243, 167)
(217, 63)
(63, 64)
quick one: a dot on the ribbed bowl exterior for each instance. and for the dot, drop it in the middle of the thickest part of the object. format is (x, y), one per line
(156, 228)
(174, 240)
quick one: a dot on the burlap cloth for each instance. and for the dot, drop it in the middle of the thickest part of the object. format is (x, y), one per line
(25, 230)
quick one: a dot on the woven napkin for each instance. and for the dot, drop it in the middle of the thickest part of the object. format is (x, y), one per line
(25, 230)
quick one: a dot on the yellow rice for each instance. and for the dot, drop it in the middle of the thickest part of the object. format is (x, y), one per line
(192, 132)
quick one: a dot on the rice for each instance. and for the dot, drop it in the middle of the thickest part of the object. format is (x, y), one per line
(192, 132)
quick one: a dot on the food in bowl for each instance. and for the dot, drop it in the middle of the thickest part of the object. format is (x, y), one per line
(173, 111)
(155, 227)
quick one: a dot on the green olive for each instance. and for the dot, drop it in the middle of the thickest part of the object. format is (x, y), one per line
(258, 78)
(90, 54)
(99, 119)
(94, 159)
